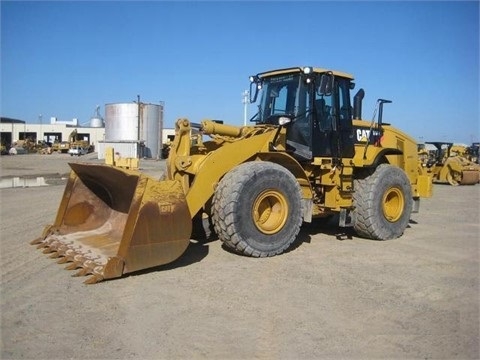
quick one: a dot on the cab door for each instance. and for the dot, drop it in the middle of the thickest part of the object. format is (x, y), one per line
(343, 119)
(332, 119)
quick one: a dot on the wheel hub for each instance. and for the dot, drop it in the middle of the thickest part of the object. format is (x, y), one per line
(270, 212)
(393, 204)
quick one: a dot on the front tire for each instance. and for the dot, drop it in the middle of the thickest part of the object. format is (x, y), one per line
(383, 203)
(257, 209)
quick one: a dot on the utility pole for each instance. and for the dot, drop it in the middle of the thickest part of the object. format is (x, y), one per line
(245, 102)
(41, 134)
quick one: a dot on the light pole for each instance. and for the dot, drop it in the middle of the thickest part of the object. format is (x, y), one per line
(245, 102)
(40, 119)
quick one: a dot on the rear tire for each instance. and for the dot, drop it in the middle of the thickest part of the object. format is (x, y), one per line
(383, 203)
(257, 209)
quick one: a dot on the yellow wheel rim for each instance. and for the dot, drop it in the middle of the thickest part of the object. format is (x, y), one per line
(270, 212)
(393, 203)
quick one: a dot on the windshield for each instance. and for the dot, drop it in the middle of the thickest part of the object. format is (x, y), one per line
(281, 95)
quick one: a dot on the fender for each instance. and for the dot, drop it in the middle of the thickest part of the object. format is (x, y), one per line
(293, 166)
(382, 154)
(296, 169)
(210, 168)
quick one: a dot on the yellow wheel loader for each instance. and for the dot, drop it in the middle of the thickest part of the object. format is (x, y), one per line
(306, 155)
(450, 167)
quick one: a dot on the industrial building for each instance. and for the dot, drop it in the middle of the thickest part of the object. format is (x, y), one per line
(132, 129)
(14, 130)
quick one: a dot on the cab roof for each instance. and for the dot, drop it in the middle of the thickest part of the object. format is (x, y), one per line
(300, 70)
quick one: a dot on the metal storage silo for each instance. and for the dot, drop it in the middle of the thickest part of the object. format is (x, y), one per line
(151, 125)
(121, 122)
(135, 122)
(96, 121)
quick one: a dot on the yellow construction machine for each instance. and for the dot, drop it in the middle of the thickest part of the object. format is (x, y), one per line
(459, 150)
(469, 153)
(75, 141)
(449, 165)
(61, 146)
(306, 155)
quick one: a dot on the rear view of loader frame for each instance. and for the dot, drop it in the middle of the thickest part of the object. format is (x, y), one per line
(306, 156)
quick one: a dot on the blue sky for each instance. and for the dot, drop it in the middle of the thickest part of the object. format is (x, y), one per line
(63, 58)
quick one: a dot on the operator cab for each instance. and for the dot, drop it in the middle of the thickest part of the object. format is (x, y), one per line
(316, 101)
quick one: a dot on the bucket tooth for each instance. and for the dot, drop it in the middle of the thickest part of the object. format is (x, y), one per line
(73, 266)
(55, 249)
(54, 255)
(93, 266)
(69, 256)
(76, 262)
(63, 260)
(61, 250)
(90, 267)
(82, 272)
(48, 245)
(54, 245)
(49, 240)
(37, 241)
(93, 279)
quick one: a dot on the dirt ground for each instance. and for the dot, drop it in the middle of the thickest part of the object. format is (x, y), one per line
(334, 296)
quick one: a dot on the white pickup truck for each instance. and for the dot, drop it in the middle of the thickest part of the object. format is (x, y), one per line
(77, 150)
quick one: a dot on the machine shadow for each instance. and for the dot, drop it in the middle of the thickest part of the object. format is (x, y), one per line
(328, 226)
(195, 252)
(203, 234)
(318, 226)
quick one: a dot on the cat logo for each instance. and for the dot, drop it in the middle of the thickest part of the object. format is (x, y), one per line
(363, 135)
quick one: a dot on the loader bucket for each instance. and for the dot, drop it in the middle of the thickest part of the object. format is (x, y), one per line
(470, 177)
(113, 221)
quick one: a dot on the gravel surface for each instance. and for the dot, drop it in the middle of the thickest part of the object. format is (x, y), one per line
(333, 296)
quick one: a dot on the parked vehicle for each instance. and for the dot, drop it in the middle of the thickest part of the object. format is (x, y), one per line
(77, 150)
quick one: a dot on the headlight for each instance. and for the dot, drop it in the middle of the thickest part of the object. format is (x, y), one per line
(283, 120)
(307, 70)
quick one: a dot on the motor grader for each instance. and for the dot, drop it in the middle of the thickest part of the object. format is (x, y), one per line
(448, 165)
(306, 155)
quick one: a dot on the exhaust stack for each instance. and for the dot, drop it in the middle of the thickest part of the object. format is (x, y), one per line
(357, 104)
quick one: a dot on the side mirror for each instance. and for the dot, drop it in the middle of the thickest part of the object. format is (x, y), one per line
(254, 82)
(325, 87)
(253, 92)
